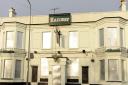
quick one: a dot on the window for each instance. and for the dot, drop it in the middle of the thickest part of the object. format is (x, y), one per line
(18, 69)
(62, 41)
(113, 70)
(124, 70)
(101, 37)
(19, 39)
(121, 37)
(10, 39)
(0, 39)
(47, 40)
(111, 38)
(0, 68)
(73, 39)
(44, 67)
(73, 68)
(102, 69)
(7, 68)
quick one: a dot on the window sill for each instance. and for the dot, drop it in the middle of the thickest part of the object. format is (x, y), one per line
(6, 78)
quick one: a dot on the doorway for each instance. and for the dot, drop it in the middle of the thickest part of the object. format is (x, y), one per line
(56, 70)
(85, 77)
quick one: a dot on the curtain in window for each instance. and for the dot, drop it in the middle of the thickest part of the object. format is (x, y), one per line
(121, 37)
(17, 68)
(102, 69)
(47, 39)
(44, 67)
(73, 68)
(7, 68)
(113, 70)
(19, 39)
(112, 38)
(73, 39)
(10, 39)
(101, 37)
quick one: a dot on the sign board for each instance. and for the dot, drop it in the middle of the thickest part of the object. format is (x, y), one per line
(59, 19)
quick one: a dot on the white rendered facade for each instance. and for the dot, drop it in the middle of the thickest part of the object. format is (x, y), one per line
(93, 46)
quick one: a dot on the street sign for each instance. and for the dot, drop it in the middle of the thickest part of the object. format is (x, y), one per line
(60, 19)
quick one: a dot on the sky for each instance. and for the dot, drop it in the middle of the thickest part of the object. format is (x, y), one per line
(43, 7)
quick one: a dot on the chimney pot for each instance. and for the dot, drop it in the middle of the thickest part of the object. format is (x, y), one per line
(12, 12)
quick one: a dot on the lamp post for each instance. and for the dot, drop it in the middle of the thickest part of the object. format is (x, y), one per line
(28, 60)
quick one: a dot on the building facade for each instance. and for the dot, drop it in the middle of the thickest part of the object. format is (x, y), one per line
(92, 50)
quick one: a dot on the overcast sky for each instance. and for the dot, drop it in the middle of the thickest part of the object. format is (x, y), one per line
(42, 7)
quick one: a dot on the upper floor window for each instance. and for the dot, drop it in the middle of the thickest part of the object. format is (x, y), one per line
(121, 37)
(19, 39)
(9, 39)
(101, 37)
(47, 39)
(0, 40)
(111, 37)
(73, 39)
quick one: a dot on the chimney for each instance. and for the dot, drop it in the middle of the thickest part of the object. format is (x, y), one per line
(123, 5)
(12, 12)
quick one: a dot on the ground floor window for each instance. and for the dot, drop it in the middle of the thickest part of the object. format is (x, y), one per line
(102, 69)
(10, 69)
(18, 69)
(0, 68)
(44, 70)
(113, 70)
(73, 68)
(7, 69)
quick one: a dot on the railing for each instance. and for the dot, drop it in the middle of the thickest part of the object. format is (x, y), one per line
(12, 50)
(124, 52)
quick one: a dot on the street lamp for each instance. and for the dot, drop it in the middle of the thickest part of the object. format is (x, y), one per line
(28, 60)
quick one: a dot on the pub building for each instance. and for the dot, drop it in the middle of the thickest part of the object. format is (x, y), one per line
(65, 48)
